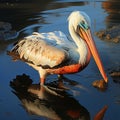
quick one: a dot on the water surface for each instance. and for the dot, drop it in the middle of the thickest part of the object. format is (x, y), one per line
(40, 16)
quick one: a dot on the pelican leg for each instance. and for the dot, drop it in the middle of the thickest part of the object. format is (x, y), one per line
(47, 88)
(63, 78)
(43, 75)
(42, 81)
(60, 80)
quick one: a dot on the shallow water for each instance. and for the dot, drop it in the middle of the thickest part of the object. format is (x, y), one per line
(27, 17)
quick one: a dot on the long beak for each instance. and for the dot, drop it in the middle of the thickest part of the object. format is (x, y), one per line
(86, 35)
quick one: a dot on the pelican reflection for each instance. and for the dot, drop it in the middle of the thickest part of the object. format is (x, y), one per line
(38, 100)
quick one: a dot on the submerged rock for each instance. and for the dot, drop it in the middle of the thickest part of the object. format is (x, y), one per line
(112, 34)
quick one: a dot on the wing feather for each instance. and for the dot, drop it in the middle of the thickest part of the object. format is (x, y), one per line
(41, 49)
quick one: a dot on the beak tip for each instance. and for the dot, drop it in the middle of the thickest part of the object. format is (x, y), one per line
(106, 79)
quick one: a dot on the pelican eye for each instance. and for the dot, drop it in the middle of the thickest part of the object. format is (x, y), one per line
(84, 25)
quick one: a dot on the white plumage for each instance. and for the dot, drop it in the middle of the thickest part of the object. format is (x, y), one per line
(39, 51)
(54, 53)
(50, 49)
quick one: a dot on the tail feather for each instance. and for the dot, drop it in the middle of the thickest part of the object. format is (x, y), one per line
(14, 51)
(15, 56)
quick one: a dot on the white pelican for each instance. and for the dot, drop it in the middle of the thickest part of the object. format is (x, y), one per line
(54, 53)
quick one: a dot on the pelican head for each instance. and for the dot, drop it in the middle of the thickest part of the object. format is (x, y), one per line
(79, 27)
(79, 18)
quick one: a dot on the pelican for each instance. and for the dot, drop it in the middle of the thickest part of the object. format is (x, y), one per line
(53, 53)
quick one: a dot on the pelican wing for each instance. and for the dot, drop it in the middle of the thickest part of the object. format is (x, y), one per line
(41, 49)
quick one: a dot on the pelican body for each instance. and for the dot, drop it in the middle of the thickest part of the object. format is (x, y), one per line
(54, 53)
